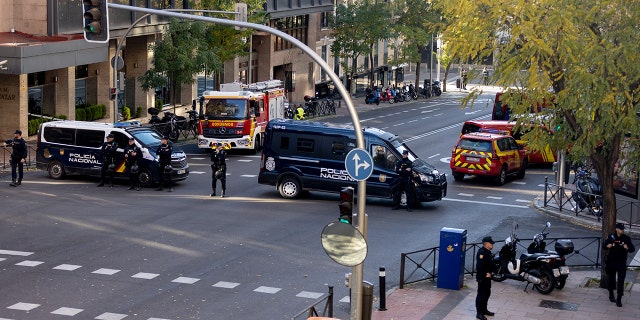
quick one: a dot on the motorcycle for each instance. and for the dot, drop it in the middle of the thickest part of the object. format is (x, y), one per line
(531, 268)
(562, 248)
(412, 92)
(310, 106)
(435, 88)
(373, 96)
(288, 112)
(588, 193)
(169, 125)
(386, 95)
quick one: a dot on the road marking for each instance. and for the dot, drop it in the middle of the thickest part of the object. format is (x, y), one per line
(249, 175)
(105, 271)
(145, 275)
(466, 194)
(433, 156)
(15, 253)
(64, 311)
(196, 158)
(186, 280)
(494, 198)
(29, 263)
(111, 316)
(346, 299)
(264, 289)
(226, 285)
(523, 200)
(309, 295)
(245, 160)
(23, 306)
(197, 172)
(158, 319)
(518, 182)
(3, 259)
(484, 202)
(67, 267)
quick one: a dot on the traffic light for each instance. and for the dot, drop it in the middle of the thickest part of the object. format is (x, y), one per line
(96, 20)
(112, 93)
(346, 205)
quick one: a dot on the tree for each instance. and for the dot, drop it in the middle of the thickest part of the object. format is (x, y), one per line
(417, 24)
(178, 56)
(357, 28)
(580, 58)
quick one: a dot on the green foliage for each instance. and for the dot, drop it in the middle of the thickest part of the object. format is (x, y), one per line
(357, 28)
(81, 114)
(158, 104)
(126, 113)
(577, 58)
(138, 112)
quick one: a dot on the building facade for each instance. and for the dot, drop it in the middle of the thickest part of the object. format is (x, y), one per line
(47, 68)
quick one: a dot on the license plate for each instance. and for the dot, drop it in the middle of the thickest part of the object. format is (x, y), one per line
(564, 270)
(181, 171)
(473, 159)
(556, 272)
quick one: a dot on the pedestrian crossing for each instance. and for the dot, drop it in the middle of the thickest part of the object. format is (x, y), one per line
(21, 259)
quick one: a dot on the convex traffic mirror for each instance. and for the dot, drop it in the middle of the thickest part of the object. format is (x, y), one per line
(344, 244)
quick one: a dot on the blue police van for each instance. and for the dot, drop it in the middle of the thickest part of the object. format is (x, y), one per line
(75, 147)
(305, 155)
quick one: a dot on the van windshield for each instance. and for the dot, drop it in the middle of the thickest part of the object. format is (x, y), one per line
(235, 109)
(149, 138)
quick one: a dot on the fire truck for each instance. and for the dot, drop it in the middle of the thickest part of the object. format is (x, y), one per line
(237, 115)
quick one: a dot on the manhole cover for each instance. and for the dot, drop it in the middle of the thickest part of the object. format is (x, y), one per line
(559, 305)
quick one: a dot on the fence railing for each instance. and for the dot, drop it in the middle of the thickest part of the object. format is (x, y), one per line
(422, 264)
(311, 310)
(559, 197)
(5, 157)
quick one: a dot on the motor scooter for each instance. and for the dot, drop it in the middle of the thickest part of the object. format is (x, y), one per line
(588, 193)
(531, 268)
(563, 247)
(386, 95)
(373, 96)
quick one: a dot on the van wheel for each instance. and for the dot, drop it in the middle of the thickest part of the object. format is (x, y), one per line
(289, 188)
(458, 176)
(257, 145)
(56, 170)
(502, 177)
(522, 169)
(145, 178)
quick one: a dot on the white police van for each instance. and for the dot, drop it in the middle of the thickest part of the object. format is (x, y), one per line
(75, 147)
(304, 155)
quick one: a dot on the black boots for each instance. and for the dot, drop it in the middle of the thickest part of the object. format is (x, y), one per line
(13, 183)
(612, 298)
(101, 184)
(213, 193)
(619, 301)
(222, 194)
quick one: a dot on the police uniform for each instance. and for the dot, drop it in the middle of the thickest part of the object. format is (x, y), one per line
(164, 153)
(484, 266)
(404, 169)
(132, 155)
(218, 163)
(617, 261)
(18, 157)
(108, 153)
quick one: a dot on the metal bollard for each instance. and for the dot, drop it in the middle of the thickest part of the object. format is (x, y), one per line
(383, 294)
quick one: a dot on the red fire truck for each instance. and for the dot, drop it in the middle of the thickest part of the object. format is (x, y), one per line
(237, 114)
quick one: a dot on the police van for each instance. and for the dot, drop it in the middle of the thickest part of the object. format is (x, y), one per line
(75, 147)
(304, 155)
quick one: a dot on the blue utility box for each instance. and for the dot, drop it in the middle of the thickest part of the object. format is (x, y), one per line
(453, 243)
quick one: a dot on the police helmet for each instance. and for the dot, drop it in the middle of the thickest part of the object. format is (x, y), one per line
(168, 168)
(135, 168)
(219, 174)
(111, 167)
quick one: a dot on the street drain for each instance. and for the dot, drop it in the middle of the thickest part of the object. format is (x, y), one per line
(559, 305)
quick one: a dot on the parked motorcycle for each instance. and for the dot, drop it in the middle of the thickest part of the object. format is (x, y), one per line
(373, 96)
(588, 193)
(288, 112)
(562, 248)
(310, 106)
(386, 95)
(533, 268)
(169, 125)
(412, 92)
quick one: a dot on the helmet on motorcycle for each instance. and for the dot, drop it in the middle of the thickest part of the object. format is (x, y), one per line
(307, 98)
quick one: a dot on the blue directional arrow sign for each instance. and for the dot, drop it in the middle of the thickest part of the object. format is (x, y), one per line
(359, 164)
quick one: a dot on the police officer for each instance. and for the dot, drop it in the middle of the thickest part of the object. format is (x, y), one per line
(299, 115)
(484, 268)
(619, 245)
(164, 153)
(218, 169)
(132, 156)
(404, 169)
(18, 157)
(108, 162)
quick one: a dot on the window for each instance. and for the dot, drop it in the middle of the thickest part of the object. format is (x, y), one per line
(294, 26)
(59, 135)
(89, 138)
(284, 143)
(305, 145)
(341, 147)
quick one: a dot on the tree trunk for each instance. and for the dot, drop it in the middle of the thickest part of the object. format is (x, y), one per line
(417, 84)
(446, 75)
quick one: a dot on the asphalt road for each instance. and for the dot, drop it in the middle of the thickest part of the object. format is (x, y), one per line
(71, 250)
